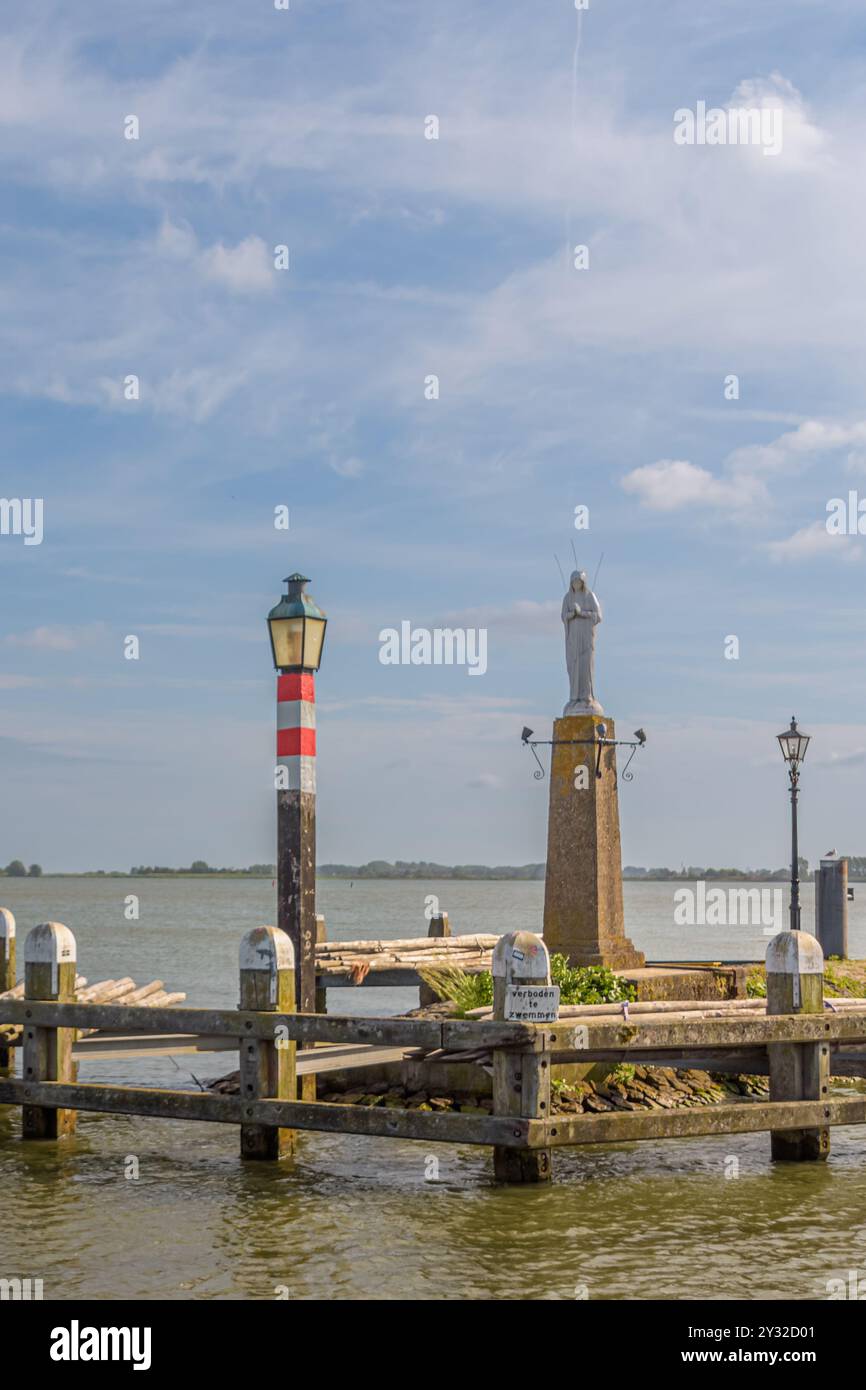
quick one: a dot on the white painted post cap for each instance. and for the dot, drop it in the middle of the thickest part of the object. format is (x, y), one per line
(7, 924)
(49, 944)
(521, 953)
(795, 953)
(266, 948)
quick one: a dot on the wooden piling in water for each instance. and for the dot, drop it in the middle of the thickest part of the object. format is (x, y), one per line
(521, 1078)
(7, 973)
(49, 975)
(439, 928)
(267, 1065)
(798, 1071)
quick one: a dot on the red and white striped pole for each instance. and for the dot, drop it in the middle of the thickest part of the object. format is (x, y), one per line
(297, 628)
(296, 826)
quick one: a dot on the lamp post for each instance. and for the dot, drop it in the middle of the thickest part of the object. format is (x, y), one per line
(793, 743)
(297, 629)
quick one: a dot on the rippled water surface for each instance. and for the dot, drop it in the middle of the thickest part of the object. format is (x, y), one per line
(369, 1218)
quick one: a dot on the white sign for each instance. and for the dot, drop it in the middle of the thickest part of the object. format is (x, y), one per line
(532, 1003)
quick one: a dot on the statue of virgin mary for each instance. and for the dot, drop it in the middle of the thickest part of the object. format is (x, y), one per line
(581, 614)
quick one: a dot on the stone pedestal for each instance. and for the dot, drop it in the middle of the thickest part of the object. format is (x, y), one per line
(583, 916)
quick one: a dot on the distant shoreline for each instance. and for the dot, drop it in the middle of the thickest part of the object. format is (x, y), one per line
(440, 875)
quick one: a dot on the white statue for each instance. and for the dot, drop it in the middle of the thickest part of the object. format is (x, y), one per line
(581, 613)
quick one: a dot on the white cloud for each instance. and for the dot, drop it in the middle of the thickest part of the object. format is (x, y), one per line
(57, 639)
(814, 540)
(244, 268)
(672, 484)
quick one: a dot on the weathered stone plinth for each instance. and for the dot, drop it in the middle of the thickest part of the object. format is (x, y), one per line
(583, 916)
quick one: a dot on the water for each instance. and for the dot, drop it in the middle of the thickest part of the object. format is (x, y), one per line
(360, 1218)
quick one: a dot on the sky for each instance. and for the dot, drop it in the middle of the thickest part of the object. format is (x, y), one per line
(604, 385)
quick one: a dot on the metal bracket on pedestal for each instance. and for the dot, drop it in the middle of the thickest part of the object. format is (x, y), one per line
(637, 742)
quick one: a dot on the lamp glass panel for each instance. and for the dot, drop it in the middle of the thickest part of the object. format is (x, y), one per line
(314, 635)
(287, 635)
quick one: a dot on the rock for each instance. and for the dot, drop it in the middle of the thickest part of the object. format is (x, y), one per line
(352, 1097)
(597, 1104)
(370, 1099)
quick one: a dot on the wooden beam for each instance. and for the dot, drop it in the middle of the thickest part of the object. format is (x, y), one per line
(411, 1032)
(749, 1117)
(427, 1125)
(658, 1034)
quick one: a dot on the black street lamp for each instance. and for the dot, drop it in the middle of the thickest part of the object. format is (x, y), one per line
(793, 743)
(297, 629)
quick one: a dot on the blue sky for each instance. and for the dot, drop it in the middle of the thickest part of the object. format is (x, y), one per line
(409, 257)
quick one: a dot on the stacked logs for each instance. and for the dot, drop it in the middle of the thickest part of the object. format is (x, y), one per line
(124, 991)
(357, 959)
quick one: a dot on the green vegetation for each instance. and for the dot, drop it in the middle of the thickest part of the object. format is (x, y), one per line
(756, 983)
(622, 1074)
(381, 868)
(18, 869)
(588, 984)
(200, 866)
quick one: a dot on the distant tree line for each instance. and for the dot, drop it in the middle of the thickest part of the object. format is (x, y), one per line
(200, 866)
(422, 868)
(16, 868)
(696, 871)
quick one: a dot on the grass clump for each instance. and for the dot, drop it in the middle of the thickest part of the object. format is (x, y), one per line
(585, 984)
(756, 983)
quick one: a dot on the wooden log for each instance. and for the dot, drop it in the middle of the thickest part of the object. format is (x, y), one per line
(7, 973)
(478, 942)
(267, 1066)
(521, 1079)
(798, 1071)
(438, 930)
(49, 974)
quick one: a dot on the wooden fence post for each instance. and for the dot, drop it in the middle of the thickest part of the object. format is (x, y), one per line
(798, 1071)
(267, 1068)
(438, 927)
(7, 974)
(521, 1080)
(49, 974)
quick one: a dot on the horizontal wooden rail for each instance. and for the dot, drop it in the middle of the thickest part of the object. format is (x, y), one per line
(572, 1041)
(453, 1034)
(747, 1117)
(566, 1040)
(430, 1125)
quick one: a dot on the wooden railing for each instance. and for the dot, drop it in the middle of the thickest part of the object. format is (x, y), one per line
(796, 1034)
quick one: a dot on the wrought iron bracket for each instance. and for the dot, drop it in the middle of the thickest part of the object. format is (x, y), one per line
(598, 743)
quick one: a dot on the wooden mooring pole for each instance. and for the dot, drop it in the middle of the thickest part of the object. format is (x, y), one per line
(439, 927)
(798, 1071)
(7, 973)
(267, 1065)
(521, 1079)
(49, 974)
